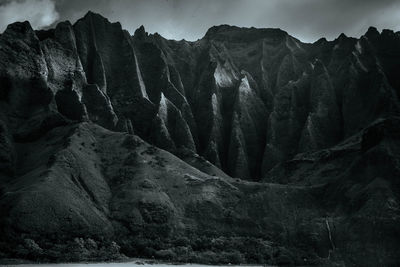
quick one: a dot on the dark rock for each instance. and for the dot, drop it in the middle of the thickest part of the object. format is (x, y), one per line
(317, 122)
(69, 105)
(99, 107)
(7, 151)
(372, 33)
(140, 33)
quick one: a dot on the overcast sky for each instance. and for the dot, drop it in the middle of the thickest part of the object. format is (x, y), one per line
(308, 20)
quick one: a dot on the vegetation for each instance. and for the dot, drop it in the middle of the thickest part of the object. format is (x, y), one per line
(215, 250)
(208, 248)
(78, 249)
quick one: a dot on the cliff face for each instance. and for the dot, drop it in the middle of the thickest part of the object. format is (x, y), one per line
(310, 130)
(276, 97)
(244, 99)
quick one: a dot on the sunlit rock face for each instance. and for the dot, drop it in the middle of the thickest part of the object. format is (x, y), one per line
(244, 99)
(262, 96)
(108, 135)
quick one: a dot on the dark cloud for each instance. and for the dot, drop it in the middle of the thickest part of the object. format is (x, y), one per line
(40, 13)
(307, 20)
(311, 19)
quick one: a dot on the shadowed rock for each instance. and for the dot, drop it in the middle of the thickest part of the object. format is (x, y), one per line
(309, 131)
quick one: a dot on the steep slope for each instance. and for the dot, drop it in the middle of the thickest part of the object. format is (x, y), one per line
(244, 99)
(82, 180)
(88, 113)
(300, 97)
(361, 190)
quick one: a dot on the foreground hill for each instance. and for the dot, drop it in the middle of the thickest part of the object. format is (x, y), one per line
(114, 143)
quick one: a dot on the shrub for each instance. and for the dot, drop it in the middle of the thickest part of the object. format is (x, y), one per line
(29, 249)
(208, 257)
(109, 251)
(91, 244)
(284, 257)
(85, 249)
(32, 246)
(201, 243)
(149, 252)
(131, 142)
(181, 241)
(232, 257)
(77, 250)
(131, 159)
(166, 254)
(183, 253)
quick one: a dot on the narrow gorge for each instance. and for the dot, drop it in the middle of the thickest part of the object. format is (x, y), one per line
(246, 145)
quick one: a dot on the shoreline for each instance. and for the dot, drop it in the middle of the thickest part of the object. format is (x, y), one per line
(136, 261)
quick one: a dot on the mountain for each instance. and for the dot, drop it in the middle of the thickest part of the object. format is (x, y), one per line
(244, 146)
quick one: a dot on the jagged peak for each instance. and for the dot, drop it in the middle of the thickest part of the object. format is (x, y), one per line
(343, 41)
(321, 41)
(65, 23)
(141, 29)
(342, 36)
(90, 15)
(20, 30)
(372, 29)
(140, 32)
(243, 33)
(93, 14)
(388, 33)
(63, 26)
(19, 27)
(226, 27)
(218, 28)
(96, 20)
(372, 32)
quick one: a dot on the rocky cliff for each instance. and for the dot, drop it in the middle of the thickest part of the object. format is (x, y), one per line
(107, 136)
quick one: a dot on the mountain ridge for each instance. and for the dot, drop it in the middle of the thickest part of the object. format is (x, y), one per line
(108, 136)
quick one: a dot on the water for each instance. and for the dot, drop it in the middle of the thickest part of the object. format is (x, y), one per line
(120, 264)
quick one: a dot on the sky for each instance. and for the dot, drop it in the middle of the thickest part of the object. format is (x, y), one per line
(307, 20)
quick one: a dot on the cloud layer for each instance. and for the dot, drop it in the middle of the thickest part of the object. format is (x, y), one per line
(40, 13)
(307, 20)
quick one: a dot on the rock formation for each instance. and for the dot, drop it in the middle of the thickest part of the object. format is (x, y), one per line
(108, 136)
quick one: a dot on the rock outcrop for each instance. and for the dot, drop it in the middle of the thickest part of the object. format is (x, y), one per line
(108, 136)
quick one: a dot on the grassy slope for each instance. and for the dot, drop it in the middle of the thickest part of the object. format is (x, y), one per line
(85, 181)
